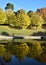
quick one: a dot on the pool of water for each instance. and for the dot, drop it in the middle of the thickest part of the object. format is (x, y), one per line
(26, 61)
(18, 51)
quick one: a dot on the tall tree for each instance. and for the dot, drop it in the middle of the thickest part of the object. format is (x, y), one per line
(36, 20)
(23, 19)
(9, 6)
(11, 18)
(42, 12)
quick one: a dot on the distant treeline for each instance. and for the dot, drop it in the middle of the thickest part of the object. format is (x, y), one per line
(22, 19)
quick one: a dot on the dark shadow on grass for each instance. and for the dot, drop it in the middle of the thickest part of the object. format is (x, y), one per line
(5, 33)
(39, 34)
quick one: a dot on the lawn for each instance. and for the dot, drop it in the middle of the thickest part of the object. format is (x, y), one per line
(17, 31)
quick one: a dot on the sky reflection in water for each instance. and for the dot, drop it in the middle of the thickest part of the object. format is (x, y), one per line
(26, 61)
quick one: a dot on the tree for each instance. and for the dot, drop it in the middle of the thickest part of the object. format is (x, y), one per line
(23, 19)
(11, 18)
(30, 13)
(9, 6)
(21, 11)
(36, 20)
(2, 16)
(42, 12)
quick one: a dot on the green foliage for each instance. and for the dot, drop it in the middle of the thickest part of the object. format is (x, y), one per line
(2, 17)
(42, 56)
(11, 48)
(34, 50)
(30, 13)
(21, 11)
(2, 50)
(9, 6)
(11, 18)
(36, 20)
(21, 50)
(7, 56)
(23, 19)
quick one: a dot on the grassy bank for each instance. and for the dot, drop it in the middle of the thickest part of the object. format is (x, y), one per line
(17, 31)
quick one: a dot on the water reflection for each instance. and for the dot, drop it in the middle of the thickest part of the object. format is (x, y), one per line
(26, 61)
(24, 53)
(2, 61)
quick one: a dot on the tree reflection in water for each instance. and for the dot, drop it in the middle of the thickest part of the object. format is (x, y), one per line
(7, 56)
(21, 50)
(2, 62)
(35, 49)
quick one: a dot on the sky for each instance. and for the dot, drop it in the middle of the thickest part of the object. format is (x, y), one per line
(24, 4)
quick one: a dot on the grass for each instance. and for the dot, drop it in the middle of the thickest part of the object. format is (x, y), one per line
(18, 32)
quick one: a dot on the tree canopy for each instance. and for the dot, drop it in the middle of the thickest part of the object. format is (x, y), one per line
(3, 17)
(9, 6)
(42, 12)
(11, 18)
(36, 20)
(23, 19)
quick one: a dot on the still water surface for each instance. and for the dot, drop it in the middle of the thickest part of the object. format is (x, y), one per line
(26, 61)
